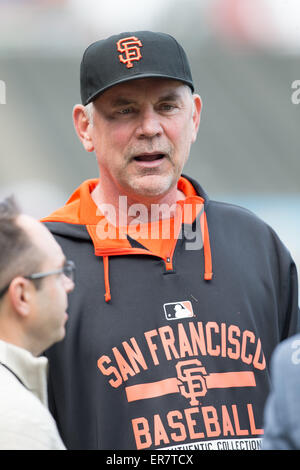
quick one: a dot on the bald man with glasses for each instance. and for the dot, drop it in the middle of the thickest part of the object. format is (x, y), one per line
(35, 279)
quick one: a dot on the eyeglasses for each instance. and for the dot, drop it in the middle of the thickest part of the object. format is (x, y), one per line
(68, 269)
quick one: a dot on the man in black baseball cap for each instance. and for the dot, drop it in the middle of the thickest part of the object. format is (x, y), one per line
(131, 372)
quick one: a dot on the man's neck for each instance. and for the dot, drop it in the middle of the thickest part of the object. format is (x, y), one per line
(126, 209)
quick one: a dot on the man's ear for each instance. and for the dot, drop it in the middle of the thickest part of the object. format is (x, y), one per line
(83, 127)
(197, 107)
(20, 294)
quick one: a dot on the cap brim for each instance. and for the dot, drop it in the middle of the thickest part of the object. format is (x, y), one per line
(136, 77)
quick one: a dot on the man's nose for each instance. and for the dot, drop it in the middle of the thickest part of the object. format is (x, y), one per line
(149, 125)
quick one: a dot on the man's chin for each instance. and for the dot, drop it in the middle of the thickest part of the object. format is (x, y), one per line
(152, 186)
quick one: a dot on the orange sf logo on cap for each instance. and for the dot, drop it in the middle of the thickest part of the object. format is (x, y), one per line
(130, 47)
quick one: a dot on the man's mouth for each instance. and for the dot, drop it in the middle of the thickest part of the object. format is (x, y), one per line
(149, 157)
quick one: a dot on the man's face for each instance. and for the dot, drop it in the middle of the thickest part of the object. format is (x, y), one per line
(142, 133)
(50, 301)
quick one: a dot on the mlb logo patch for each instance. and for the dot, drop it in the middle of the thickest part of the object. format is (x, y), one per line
(178, 310)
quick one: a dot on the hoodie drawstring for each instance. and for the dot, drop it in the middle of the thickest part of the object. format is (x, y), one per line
(107, 294)
(208, 274)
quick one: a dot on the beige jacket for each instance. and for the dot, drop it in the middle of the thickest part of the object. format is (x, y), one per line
(25, 421)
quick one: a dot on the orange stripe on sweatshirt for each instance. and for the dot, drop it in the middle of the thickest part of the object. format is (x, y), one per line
(171, 385)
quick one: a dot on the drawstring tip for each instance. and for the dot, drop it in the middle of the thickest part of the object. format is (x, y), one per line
(107, 296)
(208, 276)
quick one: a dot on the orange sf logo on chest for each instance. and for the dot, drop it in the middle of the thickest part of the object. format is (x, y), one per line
(130, 47)
(193, 374)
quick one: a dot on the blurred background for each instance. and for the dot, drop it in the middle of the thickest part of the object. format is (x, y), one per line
(245, 62)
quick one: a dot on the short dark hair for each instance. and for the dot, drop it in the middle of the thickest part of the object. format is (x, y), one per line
(18, 255)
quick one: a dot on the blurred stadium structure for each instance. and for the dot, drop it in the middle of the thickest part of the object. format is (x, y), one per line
(244, 56)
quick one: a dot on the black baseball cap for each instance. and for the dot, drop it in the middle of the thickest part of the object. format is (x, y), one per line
(129, 56)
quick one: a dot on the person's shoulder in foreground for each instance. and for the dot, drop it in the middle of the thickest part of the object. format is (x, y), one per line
(282, 423)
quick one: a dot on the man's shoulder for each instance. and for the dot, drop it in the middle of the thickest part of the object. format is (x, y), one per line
(15, 397)
(25, 423)
(233, 214)
(235, 209)
(68, 230)
(20, 406)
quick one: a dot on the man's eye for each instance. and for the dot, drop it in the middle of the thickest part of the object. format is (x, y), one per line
(125, 111)
(167, 107)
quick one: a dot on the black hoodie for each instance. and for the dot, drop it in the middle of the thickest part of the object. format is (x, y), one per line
(169, 347)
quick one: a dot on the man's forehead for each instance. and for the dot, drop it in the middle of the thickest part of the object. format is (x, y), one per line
(133, 89)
